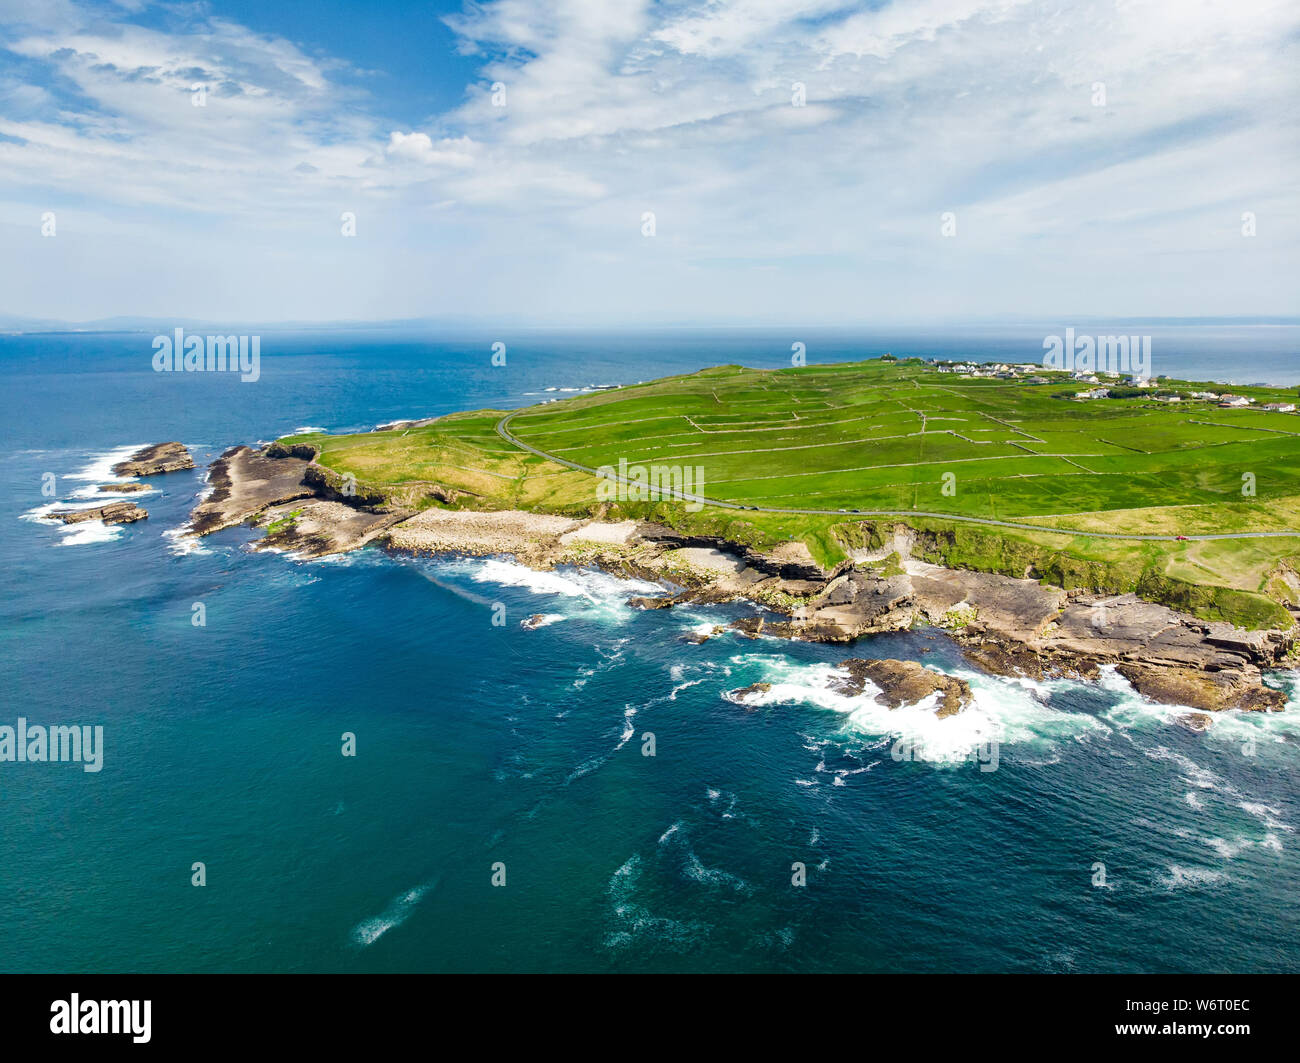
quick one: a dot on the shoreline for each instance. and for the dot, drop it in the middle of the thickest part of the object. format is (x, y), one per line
(1004, 625)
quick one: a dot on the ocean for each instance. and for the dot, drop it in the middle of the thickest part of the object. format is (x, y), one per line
(1107, 839)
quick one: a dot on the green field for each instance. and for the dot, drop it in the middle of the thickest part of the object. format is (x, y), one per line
(901, 438)
(876, 436)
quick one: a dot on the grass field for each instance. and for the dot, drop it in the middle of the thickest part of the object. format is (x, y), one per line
(461, 452)
(879, 436)
(900, 437)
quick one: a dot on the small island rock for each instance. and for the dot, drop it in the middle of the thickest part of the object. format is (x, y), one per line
(151, 460)
(905, 683)
(113, 513)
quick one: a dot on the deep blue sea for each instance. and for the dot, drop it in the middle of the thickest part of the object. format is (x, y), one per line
(481, 745)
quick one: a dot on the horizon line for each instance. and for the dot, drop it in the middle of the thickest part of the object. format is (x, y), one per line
(12, 324)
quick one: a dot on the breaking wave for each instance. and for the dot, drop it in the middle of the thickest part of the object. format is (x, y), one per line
(368, 931)
(1003, 711)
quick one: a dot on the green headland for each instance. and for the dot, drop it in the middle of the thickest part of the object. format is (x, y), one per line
(1154, 490)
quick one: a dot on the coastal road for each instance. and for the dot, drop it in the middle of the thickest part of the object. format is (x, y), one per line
(503, 430)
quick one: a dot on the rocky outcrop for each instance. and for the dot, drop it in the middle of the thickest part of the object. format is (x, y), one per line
(766, 564)
(113, 513)
(856, 604)
(244, 482)
(747, 695)
(317, 527)
(1167, 656)
(1211, 691)
(151, 460)
(904, 683)
(1015, 610)
(1014, 627)
(1017, 659)
(665, 602)
(327, 484)
(303, 451)
(706, 594)
(123, 489)
(1112, 627)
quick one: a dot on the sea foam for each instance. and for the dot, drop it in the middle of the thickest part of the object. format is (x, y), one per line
(1002, 711)
(368, 931)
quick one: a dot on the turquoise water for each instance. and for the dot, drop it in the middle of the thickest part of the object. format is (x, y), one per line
(480, 744)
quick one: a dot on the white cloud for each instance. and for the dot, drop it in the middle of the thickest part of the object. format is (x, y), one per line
(456, 152)
(881, 32)
(982, 107)
(731, 26)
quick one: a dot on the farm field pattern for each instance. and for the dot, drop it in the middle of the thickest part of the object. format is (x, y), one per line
(883, 437)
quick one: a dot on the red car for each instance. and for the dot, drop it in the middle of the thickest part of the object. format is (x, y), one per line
(1181, 538)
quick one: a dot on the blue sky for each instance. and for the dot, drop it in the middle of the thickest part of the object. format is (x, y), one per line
(805, 161)
(403, 55)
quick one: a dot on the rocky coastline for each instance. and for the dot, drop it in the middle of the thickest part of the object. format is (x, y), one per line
(1005, 626)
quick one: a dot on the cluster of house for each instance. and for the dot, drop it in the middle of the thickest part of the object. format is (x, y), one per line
(1226, 401)
(992, 370)
(1013, 371)
(1001, 370)
(1104, 393)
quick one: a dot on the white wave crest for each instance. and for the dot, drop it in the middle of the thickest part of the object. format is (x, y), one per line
(368, 931)
(1001, 711)
(100, 467)
(1189, 878)
(584, 592)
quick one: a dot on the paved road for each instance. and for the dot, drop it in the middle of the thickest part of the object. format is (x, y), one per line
(504, 432)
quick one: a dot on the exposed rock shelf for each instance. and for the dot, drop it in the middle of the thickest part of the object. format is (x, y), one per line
(113, 513)
(1238, 688)
(301, 513)
(244, 482)
(154, 459)
(317, 527)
